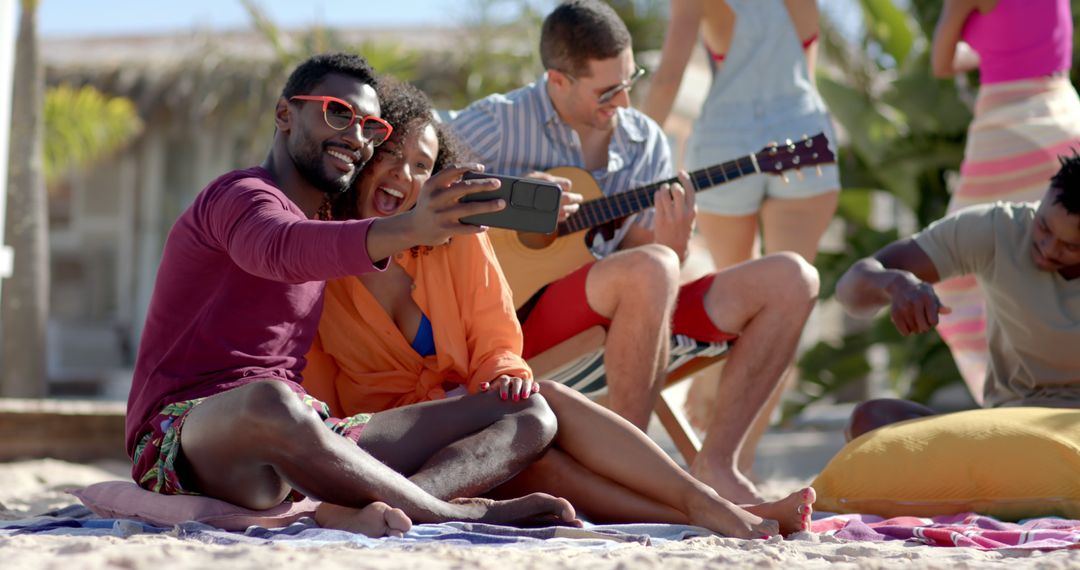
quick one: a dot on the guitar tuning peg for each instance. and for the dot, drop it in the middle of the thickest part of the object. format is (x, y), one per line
(784, 178)
(789, 144)
(818, 169)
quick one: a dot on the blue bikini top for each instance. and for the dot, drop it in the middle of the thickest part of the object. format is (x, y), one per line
(424, 342)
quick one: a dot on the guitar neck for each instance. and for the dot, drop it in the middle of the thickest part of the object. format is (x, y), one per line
(603, 210)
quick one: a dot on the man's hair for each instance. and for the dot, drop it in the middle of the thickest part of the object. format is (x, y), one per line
(316, 68)
(407, 109)
(580, 31)
(1067, 182)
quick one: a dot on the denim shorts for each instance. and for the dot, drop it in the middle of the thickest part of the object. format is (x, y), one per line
(744, 196)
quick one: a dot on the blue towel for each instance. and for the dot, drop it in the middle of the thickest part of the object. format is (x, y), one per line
(77, 520)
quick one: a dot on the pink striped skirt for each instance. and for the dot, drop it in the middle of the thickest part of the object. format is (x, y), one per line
(1019, 130)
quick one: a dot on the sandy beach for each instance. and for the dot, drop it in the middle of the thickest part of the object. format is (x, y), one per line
(33, 487)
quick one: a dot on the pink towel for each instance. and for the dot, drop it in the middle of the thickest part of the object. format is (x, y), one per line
(968, 530)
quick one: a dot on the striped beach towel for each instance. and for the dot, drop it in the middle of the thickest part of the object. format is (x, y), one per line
(1019, 130)
(969, 530)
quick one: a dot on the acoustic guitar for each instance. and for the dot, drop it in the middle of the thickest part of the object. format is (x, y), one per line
(531, 261)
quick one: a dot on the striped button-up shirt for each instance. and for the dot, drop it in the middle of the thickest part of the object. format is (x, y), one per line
(520, 132)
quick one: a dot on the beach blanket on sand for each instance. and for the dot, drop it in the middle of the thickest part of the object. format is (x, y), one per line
(968, 530)
(77, 520)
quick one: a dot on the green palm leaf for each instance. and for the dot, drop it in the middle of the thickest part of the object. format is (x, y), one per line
(890, 27)
(84, 125)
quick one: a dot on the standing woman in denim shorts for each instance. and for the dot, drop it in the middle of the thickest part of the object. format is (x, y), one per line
(762, 54)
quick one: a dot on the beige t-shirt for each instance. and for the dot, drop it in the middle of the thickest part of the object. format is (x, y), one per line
(1033, 316)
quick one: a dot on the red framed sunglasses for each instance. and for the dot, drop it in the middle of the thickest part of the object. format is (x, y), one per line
(340, 115)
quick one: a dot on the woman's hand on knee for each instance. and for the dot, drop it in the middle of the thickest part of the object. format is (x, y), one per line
(512, 388)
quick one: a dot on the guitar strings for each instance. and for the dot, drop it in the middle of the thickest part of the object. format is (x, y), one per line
(620, 205)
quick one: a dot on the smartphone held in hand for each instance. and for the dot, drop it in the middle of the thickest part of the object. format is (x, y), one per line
(531, 205)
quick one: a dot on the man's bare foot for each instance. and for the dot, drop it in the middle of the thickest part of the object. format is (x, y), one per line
(710, 510)
(375, 520)
(728, 482)
(535, 509)
(792, 512)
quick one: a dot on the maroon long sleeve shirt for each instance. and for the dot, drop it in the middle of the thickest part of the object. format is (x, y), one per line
(238, 294)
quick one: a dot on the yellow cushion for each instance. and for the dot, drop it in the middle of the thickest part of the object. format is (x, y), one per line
(1008, 463)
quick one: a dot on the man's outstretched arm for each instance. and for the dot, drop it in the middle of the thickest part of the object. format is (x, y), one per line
(899, 275)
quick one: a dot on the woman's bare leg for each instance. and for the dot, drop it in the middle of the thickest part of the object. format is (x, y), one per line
(797, 224)
(618, 460)
(599, 499)
(604, 501)
(462, 446)
(730, 239)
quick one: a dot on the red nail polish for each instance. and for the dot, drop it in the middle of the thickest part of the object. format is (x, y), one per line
(516, 397)
(503, 396)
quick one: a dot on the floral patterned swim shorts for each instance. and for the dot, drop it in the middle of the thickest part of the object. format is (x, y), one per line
(157, 450)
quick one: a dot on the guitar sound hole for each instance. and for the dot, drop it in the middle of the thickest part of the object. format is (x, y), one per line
(535, 241)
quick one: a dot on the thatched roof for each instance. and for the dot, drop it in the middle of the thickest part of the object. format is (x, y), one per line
(197, 77)
(194, 75)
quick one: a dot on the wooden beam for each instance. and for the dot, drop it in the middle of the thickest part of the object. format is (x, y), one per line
(72, 430)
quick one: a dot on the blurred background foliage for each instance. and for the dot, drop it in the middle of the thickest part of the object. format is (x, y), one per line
(84, 125)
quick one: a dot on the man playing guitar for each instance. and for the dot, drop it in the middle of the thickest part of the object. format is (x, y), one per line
(579, 114)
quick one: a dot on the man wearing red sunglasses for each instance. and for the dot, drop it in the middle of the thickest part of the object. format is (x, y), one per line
(216, 406)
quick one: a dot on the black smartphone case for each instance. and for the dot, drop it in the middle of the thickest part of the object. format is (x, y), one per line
(531, 205)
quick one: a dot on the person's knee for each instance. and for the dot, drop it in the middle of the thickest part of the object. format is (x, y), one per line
(270, 410)
(649, 270)
(799, 277)
(535, 424)
(553, 391)
(637, 280)
(559, 396)
(779, 283)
